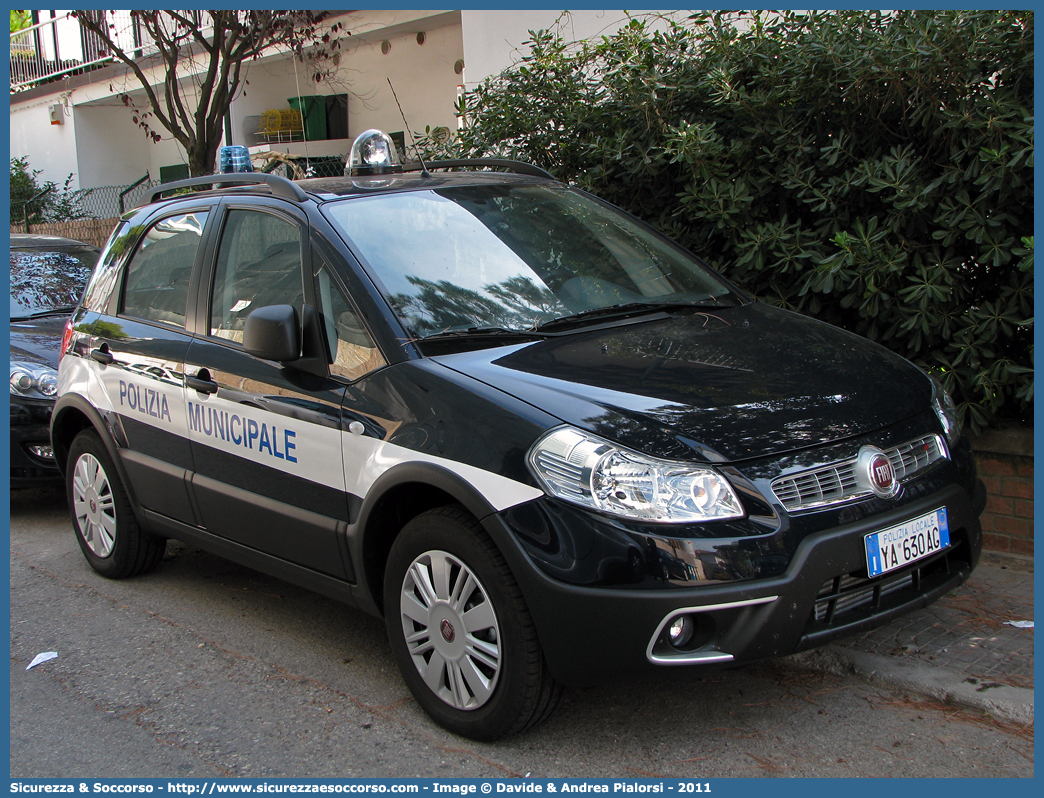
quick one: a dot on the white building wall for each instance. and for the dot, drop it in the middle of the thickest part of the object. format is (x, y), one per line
(424, 79)
(493, 40)
(50, 148)
(167, 152)
(110, 149)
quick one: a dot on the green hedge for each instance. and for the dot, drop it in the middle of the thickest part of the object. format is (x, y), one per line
(873, 170)
(58, 204)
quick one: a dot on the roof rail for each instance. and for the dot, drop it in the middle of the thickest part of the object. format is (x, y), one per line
(518, 167)
(281, 187)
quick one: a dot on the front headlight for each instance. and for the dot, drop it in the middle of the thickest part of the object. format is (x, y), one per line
(590, 471)
(33, 379)
(946, 410)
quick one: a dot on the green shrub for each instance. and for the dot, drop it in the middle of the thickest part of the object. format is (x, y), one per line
(23, 188)
(59, 204)
(873, 170)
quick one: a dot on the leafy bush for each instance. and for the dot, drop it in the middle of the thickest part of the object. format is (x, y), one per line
(20, 20)
(871, 169)
(23, 188)
(59, 204)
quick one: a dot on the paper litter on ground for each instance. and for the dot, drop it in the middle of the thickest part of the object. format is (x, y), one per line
(44, 657)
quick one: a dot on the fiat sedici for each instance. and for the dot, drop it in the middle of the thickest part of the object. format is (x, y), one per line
(540, 440)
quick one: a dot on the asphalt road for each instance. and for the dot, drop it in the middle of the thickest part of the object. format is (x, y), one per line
(206, 669)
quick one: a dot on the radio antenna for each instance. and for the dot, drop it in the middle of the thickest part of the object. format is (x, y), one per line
(424, 170)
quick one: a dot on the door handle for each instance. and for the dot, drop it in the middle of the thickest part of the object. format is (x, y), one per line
(202, 382)
(102, 355)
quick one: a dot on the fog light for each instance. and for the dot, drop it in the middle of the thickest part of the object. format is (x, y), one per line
(680, 630)
(43, 452)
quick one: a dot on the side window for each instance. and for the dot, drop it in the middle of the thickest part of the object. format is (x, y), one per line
(105, 279)
(156, 287)
(259, 264)
(352, 351)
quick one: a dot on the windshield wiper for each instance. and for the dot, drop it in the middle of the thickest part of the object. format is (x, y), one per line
(629, 308)
(484, 332)
(44, 313)
(541, 330)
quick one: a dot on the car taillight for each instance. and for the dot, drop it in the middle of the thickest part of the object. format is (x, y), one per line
(66, 338)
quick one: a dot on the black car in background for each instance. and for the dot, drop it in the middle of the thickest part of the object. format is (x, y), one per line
(48, 274)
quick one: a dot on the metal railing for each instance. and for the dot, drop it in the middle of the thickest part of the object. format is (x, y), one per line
(101, 202)
(59, 46)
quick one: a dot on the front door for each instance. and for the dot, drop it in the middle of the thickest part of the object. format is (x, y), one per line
(265, 439)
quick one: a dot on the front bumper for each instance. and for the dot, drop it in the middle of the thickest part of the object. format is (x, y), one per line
(31, 427)
(589, 633)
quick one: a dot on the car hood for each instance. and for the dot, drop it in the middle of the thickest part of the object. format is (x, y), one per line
(37, 340)
(727, 385)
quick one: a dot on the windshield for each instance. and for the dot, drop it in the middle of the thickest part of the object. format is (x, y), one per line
(44, 281)
(512, 257)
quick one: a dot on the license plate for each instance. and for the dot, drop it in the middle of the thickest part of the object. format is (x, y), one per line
(898, 545)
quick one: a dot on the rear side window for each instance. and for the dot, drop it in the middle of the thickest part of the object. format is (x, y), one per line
(259, 264)
(106, 278)
(156, 287)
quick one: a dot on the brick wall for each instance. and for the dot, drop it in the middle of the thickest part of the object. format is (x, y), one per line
(1005, 462)
(93, 231)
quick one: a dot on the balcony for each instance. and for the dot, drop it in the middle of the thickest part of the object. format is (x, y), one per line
(58, 46)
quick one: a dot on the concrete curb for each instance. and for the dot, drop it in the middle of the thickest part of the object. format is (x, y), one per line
(1002, 702)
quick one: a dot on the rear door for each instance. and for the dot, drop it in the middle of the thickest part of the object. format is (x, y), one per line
(138, 349)
(265, 439)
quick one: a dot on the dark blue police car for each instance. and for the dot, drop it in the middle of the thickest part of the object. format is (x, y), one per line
(541, 440)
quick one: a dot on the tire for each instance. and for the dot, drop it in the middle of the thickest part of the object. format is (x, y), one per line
(105, 526)
(465, 644)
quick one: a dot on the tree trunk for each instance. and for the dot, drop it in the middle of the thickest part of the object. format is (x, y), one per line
(202, 160)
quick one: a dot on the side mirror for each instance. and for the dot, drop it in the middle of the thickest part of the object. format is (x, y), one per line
(273, 333)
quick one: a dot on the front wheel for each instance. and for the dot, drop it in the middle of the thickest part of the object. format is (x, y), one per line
(105, 526)
(460, 630)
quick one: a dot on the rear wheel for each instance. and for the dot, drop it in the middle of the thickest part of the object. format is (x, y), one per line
(460, 630)
(105, 526)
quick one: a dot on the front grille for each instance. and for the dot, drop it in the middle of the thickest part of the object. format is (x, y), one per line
(846, 593)
(843, 594)
(817, 488)
(837, 483)
(851, 602)
(912, 457)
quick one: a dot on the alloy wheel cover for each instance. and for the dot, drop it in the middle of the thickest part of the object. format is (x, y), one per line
(94, 505)
(451, 630)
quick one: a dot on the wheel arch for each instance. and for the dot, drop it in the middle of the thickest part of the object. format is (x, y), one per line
(399, 495)
(72, 414)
